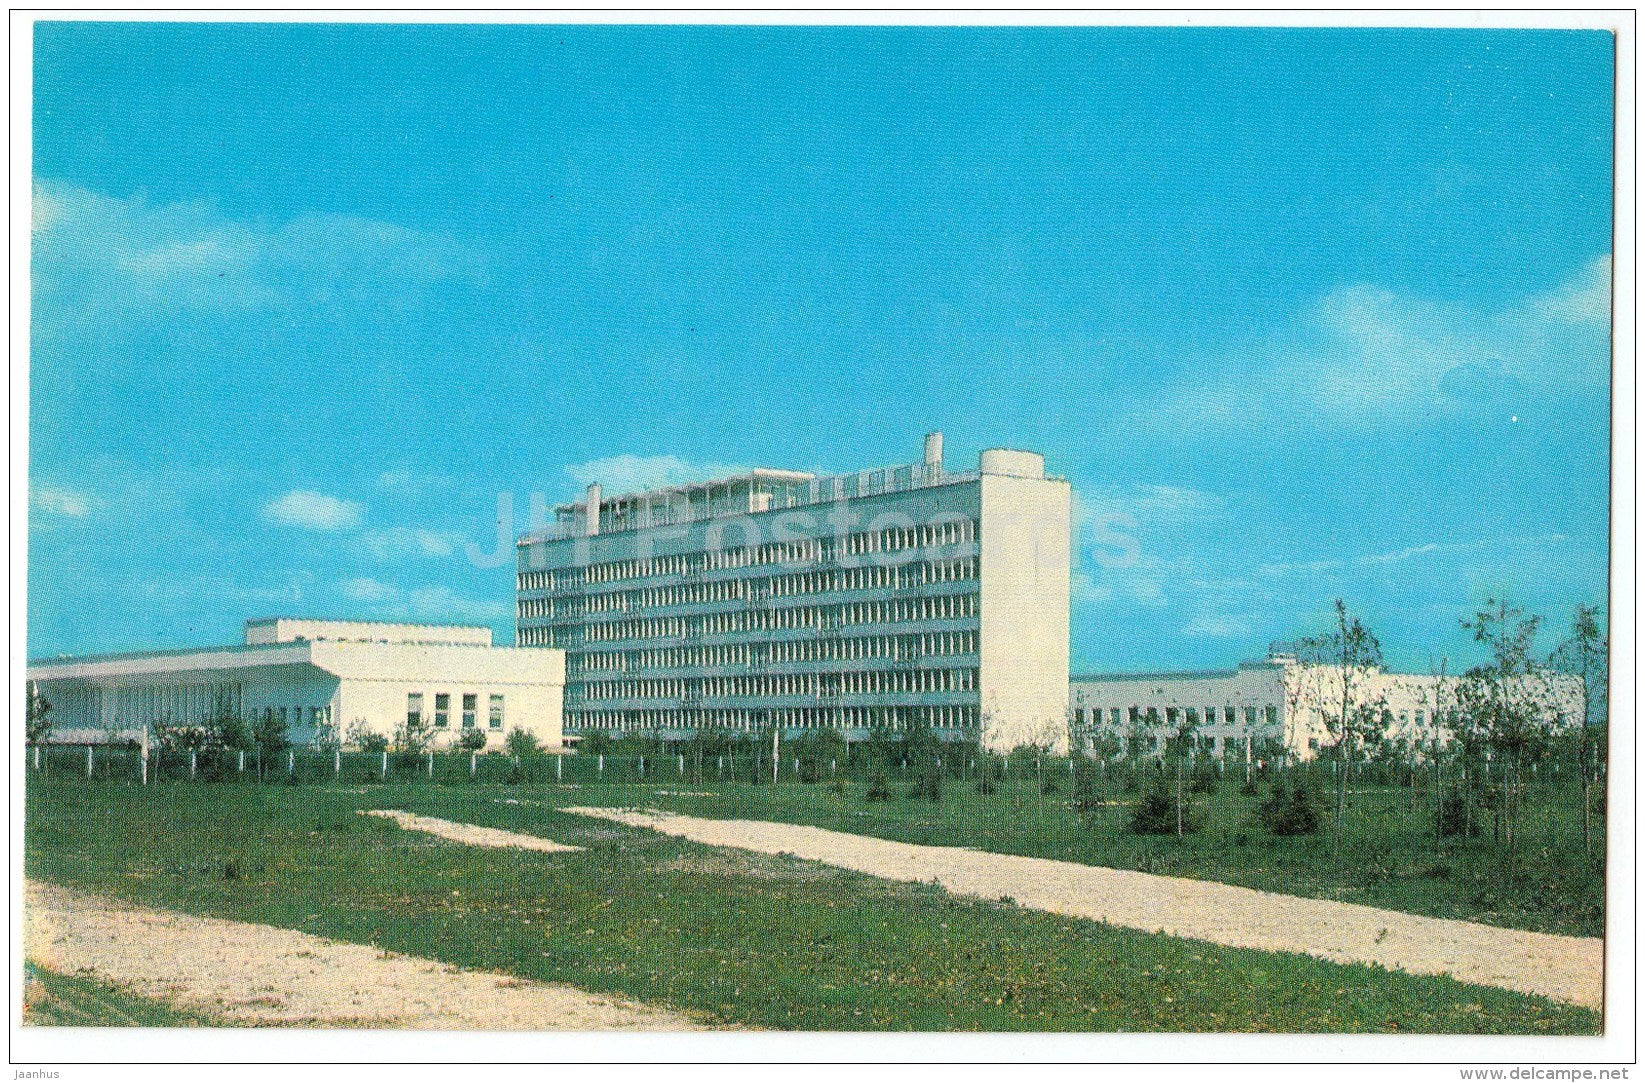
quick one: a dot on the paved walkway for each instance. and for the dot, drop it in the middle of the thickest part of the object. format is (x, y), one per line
(1566, 968)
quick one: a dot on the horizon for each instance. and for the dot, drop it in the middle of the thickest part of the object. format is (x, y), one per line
(1300, 314)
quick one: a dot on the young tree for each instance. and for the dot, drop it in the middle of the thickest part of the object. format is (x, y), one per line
(521, 743)
(362, 737)
(1585, 654)
(1181, 742)
(1506, 704)
(1342, 662)
(37, 716)
(268, 734)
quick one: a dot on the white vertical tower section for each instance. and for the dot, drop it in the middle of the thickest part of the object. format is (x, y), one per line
(591, 517)
(1023, 637)
(933, 455)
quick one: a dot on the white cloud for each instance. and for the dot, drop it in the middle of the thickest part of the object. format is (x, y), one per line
(102, 257)
(1365, 356)
(619, 474)
(69, 503)
(366, 589)
(401, 541)
(313, 511)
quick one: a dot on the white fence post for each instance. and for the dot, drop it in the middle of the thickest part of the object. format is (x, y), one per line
(291, 761)
(682, 765)
(558, 761)
(37, 757)
(473, 764)
(337, 763)
(88, 761)
(385, 765)
(242, 768)
(600, 767)
(193, 762)
(431, 763)
(143, 766)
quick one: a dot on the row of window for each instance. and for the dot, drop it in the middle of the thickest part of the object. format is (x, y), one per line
(899, 647)
(945, 530)
(837, 617)
(1176, 717)
(442, 711)
(953, 717)
(316, 716)
(829, 580)
(821, 685)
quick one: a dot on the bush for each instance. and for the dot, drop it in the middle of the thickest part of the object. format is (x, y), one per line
(1086, 796)
(521, 743)
(879, 788)
(373, 743)
(472, 740)
(1453, 816)
(1286, 814)
(1156, 812)
(928, 785)
(1249, 789)
(985, 785)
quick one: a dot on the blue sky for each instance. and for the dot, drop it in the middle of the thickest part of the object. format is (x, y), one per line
(1301, 314)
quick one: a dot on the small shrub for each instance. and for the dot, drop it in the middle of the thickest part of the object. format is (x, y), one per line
(520, 743)
(879, 788)
(1437, 871)
(1249, 789)
(472, 739)
(1156, 812)
(838, 786)
(373, 743)
(1453, 816)
(985, 785)
(1050, 784)
(1286, 814)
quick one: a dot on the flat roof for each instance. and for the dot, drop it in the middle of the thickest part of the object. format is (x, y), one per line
(368, 620)
(1175, 675)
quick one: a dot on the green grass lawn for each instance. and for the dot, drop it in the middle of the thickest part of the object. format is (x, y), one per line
(735, 938)
(51, 999)
(1387, 856)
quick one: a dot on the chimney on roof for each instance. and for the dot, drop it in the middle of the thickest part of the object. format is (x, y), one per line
(933, 454)
(591, 510)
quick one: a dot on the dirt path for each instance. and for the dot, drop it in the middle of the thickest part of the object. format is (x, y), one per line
(1565, 968)
(471, 834)
(260, 975)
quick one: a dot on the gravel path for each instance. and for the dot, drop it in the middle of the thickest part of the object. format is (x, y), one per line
(1566, 968)
(259, 975)
(471, 834)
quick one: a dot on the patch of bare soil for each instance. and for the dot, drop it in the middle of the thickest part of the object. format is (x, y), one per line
(470, 834)
(1566, 968)
(260, 975)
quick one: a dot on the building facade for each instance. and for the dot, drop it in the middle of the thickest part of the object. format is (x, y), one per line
(1282, 703)
(881, 600)
(313, 676)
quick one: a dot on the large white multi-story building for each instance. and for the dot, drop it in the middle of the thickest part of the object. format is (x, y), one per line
(313, 675)
(908, 595)
(1282, 702)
